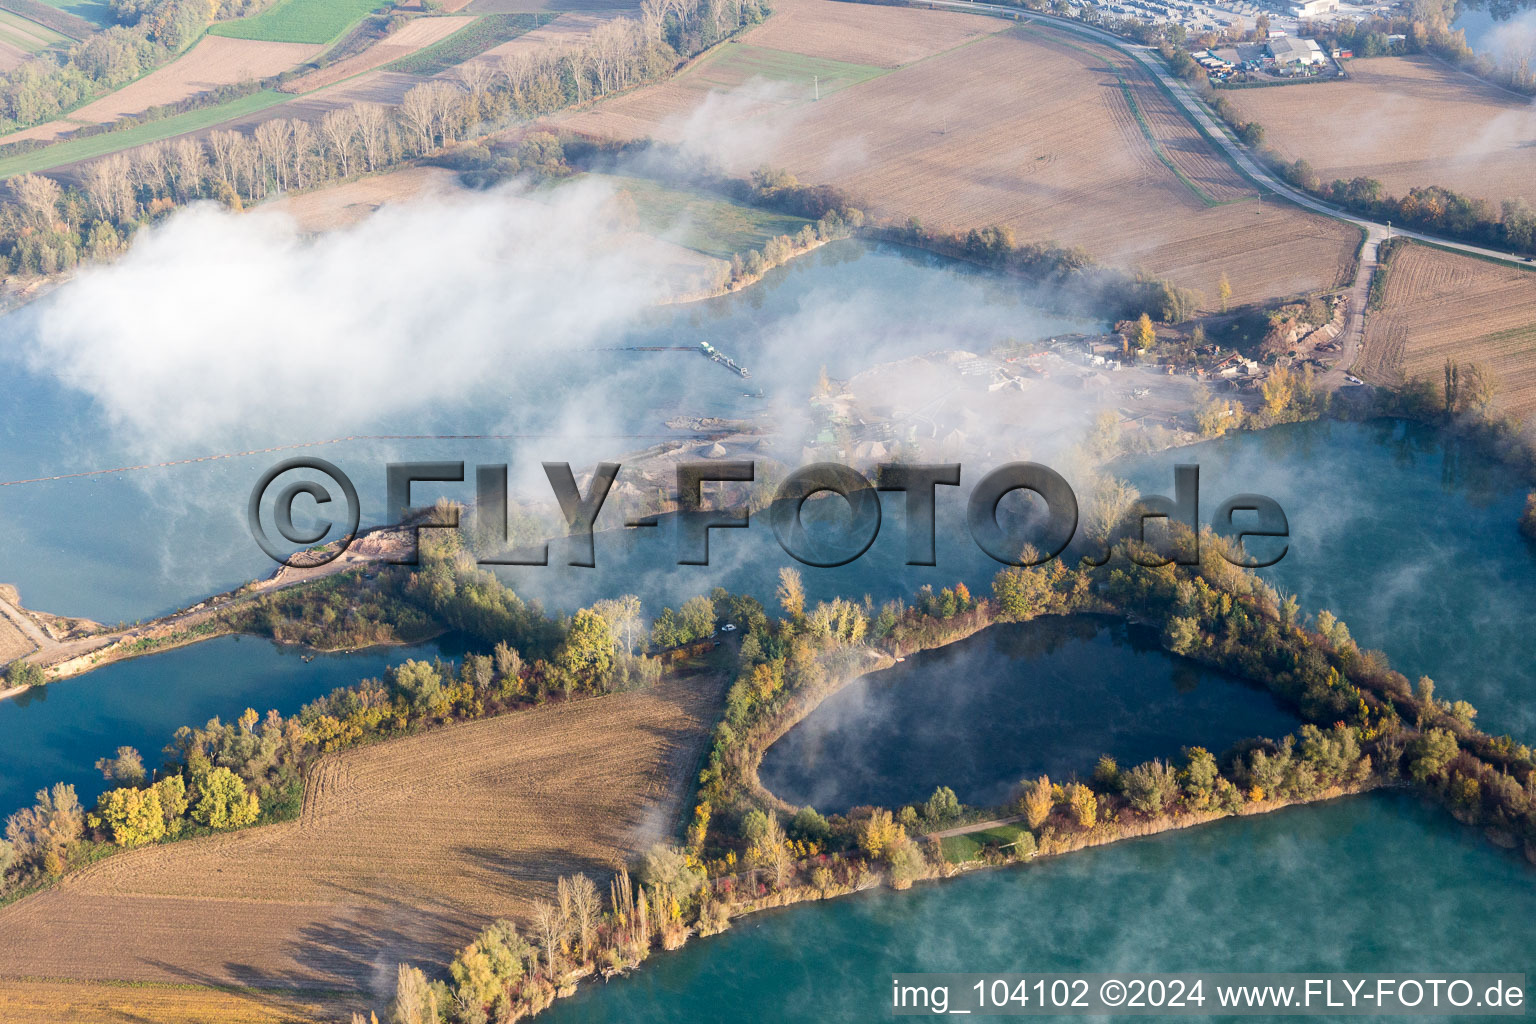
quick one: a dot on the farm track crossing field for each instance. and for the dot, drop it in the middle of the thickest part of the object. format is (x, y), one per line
(1440, 306)
(482, 34)
(61, 153)
(403, 849)
(1029, 128)
(299, 21)
(1407, 121)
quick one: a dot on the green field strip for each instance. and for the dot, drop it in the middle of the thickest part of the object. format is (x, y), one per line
(299, 21)
(61, 153)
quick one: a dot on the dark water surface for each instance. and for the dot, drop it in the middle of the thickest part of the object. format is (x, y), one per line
(1012, 702)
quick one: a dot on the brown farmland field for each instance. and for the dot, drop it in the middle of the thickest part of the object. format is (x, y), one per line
(419, 33)
(1443, 306)
(1028, 127)
(403, 849)
(1408, 121)
(566, 30)
(213, 62)
(887, 37)
(73, 1002)
(342, 205)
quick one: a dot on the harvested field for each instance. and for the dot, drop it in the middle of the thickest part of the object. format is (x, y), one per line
(73, 1002)
(886, 37)
(1408, 121)
(20, 38)
(26, 35)
(419, 33)
(342, 205)
(213, 62)
(78, 18)
(1441, 306)
(534, 6)
(403, 849)
(1030, 128)
(565, 31)
(483, 33)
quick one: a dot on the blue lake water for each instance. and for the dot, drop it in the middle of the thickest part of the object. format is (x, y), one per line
(1378, 883)
(1410, 540)
(55, 733)
(1496, 27)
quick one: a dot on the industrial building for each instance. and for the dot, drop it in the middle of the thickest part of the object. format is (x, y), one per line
(1290, 50)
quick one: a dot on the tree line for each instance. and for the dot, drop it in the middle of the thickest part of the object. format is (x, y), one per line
(47, 228)
(146, 34)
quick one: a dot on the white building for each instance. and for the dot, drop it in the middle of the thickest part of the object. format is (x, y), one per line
(1314, 8)
(1296, 51)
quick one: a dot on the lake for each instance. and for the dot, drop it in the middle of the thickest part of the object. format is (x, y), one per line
(1374, 883)
(1014, 701)
(1410, 538)
(56, 732)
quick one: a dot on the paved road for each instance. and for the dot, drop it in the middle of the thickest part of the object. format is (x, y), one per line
(1196, 110)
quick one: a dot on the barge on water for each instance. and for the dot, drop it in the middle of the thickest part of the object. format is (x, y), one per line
(724, 360)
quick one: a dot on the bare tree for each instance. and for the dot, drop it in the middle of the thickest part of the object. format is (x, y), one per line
(221, 146)
(652, 14)
(188, 168)
(152, 167)
(449, 110)
(339, 127)
(585, 908)
(38, 196)
(274, 140)
(303, 135)
(476, 76)
(372, 131)
(550, 927)
(109, 183)
(419, 111)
